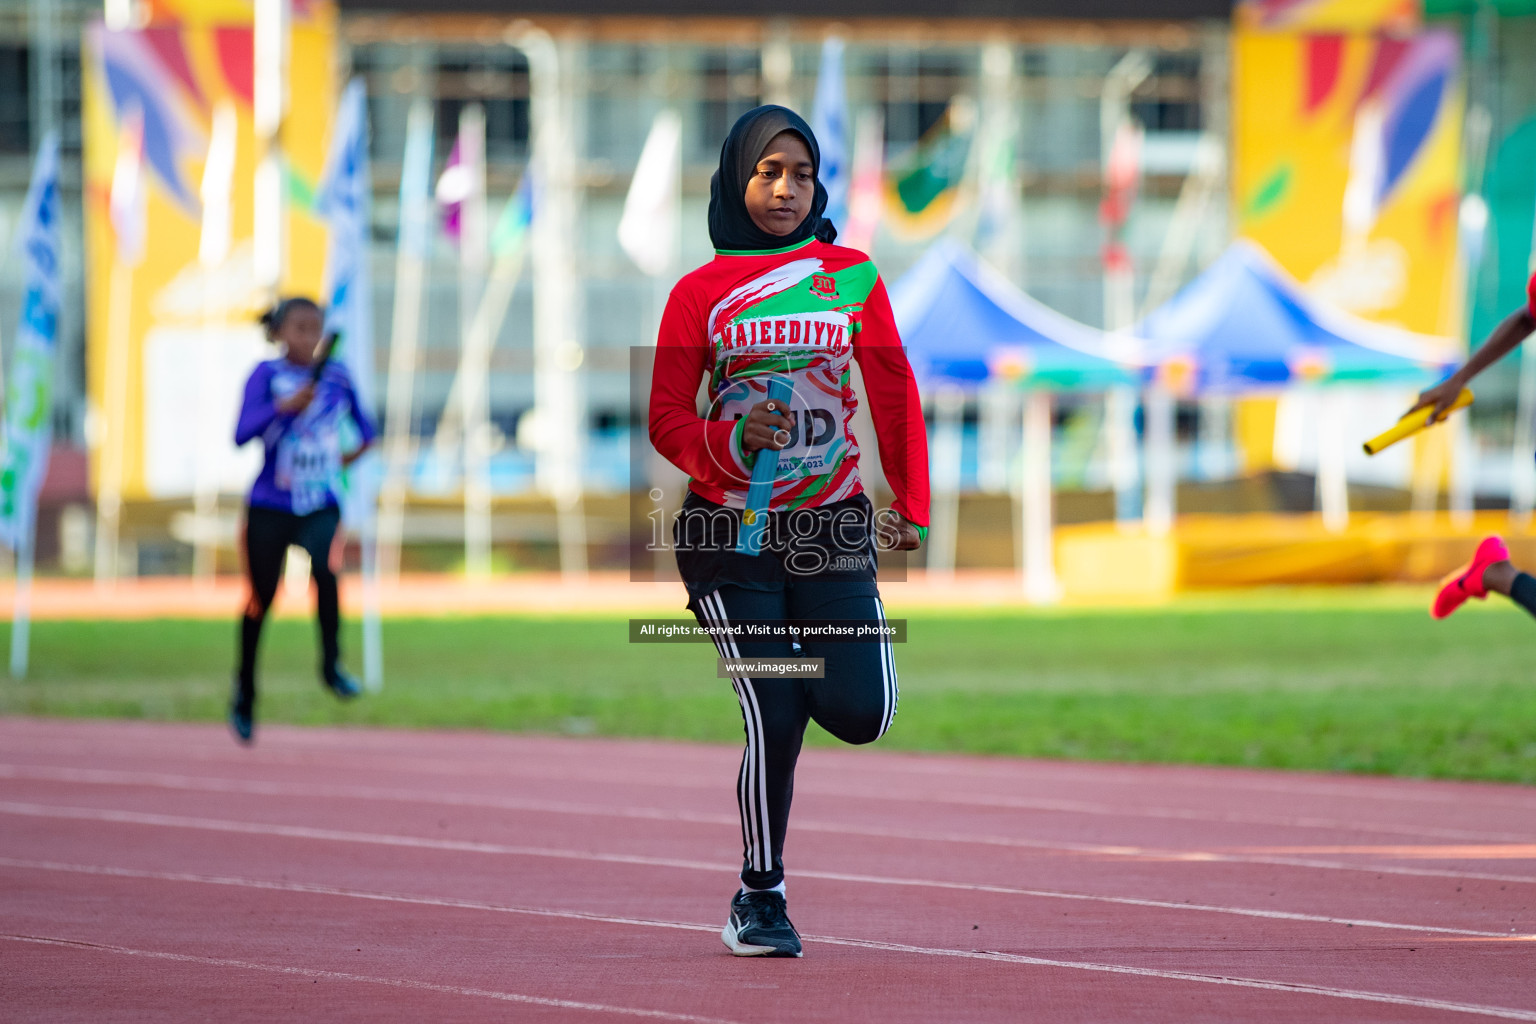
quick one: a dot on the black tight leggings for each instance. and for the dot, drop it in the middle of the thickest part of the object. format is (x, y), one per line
(1523, 592)
(268, 535)
(855, 702)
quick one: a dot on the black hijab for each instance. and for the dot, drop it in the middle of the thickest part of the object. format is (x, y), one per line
(730, 225)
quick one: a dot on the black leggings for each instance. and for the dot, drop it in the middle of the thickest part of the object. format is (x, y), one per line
(1523, 592)
(854, 702)
(268, 535)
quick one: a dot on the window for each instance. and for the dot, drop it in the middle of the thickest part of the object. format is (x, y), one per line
(15, 100)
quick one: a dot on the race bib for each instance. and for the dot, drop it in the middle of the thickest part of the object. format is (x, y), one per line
(306, 465)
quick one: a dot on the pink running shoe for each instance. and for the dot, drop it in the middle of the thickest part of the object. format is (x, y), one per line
(1468, 580)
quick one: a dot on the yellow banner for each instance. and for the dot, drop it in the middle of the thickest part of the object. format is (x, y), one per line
(1378, 115)
(1330, 15)
(190, 323)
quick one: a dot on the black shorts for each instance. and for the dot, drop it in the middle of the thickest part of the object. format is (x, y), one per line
(834, 542)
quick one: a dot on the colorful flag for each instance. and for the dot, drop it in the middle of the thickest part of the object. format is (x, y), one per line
(1122, 174)
(997, 199)
(143, 70)
(922, 188)
(1122, 180)
(648, 228)
(866, 194)
(453, 187)
(829, 120)
(462, 182)
(512, 227)
(343, 202)
(28, 398)
(127, 200)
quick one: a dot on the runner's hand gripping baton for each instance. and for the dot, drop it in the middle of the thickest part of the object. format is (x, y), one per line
(1413, 423)
(749, 541)
(327, 346)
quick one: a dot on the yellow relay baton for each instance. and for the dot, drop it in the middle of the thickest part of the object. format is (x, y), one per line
(1413, 423)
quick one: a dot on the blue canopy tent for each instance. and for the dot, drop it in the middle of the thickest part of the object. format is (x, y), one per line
(964, 325)
(1245, 325)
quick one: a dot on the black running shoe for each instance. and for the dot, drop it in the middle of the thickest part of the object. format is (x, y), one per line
(759, 926)
(241, 717)
(339, 682)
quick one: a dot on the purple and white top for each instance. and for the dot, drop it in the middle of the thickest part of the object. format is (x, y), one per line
(302, 470)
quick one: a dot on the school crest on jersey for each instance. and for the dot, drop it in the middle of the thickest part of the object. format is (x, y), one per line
(824, 285)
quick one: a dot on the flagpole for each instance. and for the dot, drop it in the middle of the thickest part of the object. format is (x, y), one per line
(126, 203)
(472, 283)
(475, 417)
(272, 19)
(557, 312)
(1036, 531)
(205, 485)
(476, 368)
(1119, 309)
(944, 535)
(213, 251)
(410, 278)
(113, 436)
(997, 240)
(21, 617)
(373, 625)
(649, 232)
(343, 202)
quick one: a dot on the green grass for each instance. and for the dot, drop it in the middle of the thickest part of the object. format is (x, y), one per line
(1357, 681)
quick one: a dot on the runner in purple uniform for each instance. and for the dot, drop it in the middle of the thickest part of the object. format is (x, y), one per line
(301, 407)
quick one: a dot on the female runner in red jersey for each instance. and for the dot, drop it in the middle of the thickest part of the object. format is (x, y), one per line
(779, 300)
(1490, 568)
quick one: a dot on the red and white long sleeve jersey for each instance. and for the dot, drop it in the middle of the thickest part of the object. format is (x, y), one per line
(803, 313)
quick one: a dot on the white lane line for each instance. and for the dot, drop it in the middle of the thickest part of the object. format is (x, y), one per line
(1198, 776)
(1012, 803)
(463, 846)
(52, 737)
(388, 744)
(1120, 851)
(201, 783)
(1294, 988)
(357, 758)
(316, 973)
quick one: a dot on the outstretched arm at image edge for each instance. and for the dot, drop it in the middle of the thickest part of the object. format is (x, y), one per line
(1505, 338)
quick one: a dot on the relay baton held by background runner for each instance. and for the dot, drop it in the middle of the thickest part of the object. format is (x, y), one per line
(760, 491)
(327, 347)
(1413, 423)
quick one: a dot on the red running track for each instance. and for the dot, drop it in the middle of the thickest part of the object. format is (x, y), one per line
(161, 873)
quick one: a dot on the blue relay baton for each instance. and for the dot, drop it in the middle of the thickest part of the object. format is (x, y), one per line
(760, 491)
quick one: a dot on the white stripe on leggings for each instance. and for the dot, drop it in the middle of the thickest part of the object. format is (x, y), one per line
(752, 790)
(744, 783)
(764, 861)
(887, 672)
